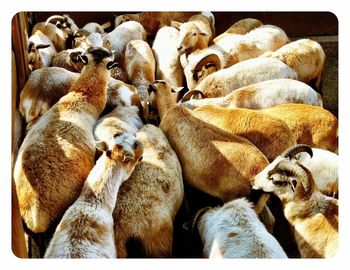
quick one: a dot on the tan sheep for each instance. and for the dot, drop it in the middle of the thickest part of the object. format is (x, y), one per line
(213, 161)
(58, 153)
(311, 125)
(269, 134)
(306, 57)
(86, 229)
(148, 202)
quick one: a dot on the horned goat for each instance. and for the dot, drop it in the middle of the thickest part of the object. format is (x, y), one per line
(235, 231)
(212, 157)
(310, 125)
(41, 51)
(247, 72)
(58, 152)
(86, 229)
(269, 134)
(305, 56)
(148, 202)
(312, 215)
(260, 95)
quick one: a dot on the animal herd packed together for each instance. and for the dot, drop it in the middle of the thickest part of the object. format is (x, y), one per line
(120, 125)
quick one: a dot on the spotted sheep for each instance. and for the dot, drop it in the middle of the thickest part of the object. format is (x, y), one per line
(86, 229)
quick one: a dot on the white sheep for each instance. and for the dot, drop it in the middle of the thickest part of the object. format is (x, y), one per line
(224, 81)
(261, 95)
(195, 34)
(41, 51)
(312, 215)
(122, 35)
(58, 152)
(86, 229)
(235, 231)
(306, 57)
(168, 66)
(148, 202)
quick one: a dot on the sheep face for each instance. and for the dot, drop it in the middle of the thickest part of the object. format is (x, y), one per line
(285, 176)
(189, 37)
(98, 56)
(123, 148)
(34, 58)
(79, 38)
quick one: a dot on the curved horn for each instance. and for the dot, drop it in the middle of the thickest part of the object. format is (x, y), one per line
(197, 216)
(191, 93)
(291, 151)
(54, 17)
(296, 170)
(210, 58)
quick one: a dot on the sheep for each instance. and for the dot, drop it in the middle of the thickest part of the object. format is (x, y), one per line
(210, 157)
(86, 229)
(230, 49)
(121, 36)
(324, 168)
(195, 34)
(310, 125)
(261, 95)
(58, 152)
(269, 134)
(43, 89)
(140, 66)
(305, 56)
(40, 51)
(235, 231)
(223, 82)
(69, 60)
(312, 215)
(168, 66)
(60, 33)
(93, 27)
(241, 27)
(148, 202)
(153, 21)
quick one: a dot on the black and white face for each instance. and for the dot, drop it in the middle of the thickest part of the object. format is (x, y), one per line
(98, 56)
(280, 182)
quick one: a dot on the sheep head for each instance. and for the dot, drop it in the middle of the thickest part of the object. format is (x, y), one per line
(98, 55)
(190, 36)
(123, 148)
(34, 58)
(285, 177)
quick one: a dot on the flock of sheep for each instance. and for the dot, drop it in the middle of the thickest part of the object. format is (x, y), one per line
(119, 123)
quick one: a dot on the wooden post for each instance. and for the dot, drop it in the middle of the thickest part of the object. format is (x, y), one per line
(20, 73)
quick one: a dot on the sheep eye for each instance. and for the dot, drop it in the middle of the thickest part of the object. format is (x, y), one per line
(279, 183)
(194, 34)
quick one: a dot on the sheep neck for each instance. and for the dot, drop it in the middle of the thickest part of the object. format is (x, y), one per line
(165, 102)
(92, 84)
(103, 183)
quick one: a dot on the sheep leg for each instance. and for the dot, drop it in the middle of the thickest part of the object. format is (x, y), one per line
(267, 218)
(261, 203)
(158, 243)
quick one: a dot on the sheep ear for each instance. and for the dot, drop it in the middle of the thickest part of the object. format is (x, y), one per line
(74, 56)
(111, 64)
(106, 43)
(101, 146)
(83, 58)
(175, 24)
(42, 46)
